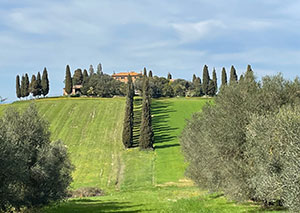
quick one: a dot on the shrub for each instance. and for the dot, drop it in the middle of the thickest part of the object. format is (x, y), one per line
(87, 192)
(34, 171)
(214, 141)
(273, 154)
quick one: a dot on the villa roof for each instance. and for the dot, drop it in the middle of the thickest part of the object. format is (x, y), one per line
(126, 74)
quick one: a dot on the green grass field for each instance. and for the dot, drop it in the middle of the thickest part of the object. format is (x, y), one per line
(134, 181)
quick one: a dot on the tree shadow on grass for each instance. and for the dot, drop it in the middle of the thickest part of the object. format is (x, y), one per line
(163, 132)
(91, 205)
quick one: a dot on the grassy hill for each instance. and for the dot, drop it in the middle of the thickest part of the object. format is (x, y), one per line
(91, 128)
(134, 181)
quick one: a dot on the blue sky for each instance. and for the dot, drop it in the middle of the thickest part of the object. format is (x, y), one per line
(173, 36)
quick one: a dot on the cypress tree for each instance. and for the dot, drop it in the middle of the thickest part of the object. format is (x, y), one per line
(194, 78)
(241, 78)
(26, 87)
(45, 83)
(215, 81)
(78, 77)
(68, 81)
(169, 77)
(18, 87)
(211, 88)
(145, 72)
(99, 69)
(224, 77)
(233, 75)
(146, 132)
(23, 86)
(150, 74)
(127, 135)
(34, 86)
(91, 70)
(249, 73)
(39, 84)
(84, 82)
(205, 80)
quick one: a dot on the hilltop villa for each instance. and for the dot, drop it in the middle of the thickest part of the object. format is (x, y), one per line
(123, 76)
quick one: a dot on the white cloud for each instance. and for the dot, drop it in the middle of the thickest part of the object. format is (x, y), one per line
(190, 32)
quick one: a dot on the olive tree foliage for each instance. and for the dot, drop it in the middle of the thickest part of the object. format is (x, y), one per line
(273, 155)
(214, 141)
(34, 171)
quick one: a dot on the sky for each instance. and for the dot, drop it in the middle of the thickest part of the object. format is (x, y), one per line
(173, 36)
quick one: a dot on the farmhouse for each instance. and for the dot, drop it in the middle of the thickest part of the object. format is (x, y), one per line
(75, 89)
(123, 76)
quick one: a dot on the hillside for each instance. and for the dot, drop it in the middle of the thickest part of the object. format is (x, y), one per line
(134, 181)
(91, 129)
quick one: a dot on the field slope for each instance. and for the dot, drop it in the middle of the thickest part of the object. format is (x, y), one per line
(134, 181)
(91, 129)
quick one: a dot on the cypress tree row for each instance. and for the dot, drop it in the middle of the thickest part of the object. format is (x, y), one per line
(127, 135)
(233, 75)
(68, 81)
(205, 80)
(146, 131)
(45, 83)
(224, 77)
(18, 87)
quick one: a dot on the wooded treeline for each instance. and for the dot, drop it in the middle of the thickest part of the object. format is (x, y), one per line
(93, 83)
(246, 144)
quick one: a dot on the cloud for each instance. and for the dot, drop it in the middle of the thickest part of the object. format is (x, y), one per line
(190, 32)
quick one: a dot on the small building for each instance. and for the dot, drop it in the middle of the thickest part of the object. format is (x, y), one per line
(75, 89)
(123, 76)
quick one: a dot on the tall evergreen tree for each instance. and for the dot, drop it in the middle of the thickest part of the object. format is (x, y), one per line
(233, 75)
(127, 134)
(224, 77)
(198, 87)
(146, 131)
(150, 74)
(39, 84)
(23, 90)
(34, 86)
(99, 69)
(215, 81)
(241, 78)
(68, 81)
(45, 83)
(145, 72)
(84, 82)
(205, 80)
(77, 77)
(169, 77)
(26, 88)
(249, 73)
(211, 88)
(194, 78)
(91, 70)
(18, 87)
